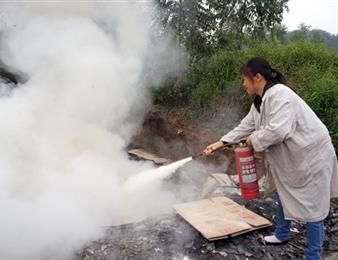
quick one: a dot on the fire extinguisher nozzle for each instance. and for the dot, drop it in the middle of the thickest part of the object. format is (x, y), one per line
(197, 155)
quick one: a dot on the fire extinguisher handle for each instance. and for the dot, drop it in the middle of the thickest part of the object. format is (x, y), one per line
(240, 142)
(225, 145)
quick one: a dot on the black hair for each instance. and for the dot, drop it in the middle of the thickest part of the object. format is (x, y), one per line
(272, 76)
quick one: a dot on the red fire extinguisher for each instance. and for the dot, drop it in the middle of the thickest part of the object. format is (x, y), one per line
(246, 170)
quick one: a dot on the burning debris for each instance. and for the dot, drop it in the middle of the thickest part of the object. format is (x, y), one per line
(170, 237)
(332, 220)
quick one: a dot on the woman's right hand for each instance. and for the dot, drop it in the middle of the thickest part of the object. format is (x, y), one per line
(212, 147)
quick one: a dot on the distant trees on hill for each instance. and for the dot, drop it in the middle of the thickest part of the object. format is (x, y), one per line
(304, 33)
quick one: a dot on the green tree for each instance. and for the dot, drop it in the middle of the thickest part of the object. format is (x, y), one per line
(206, 25)
(247, 17)
(315, 37)
(321, 36)
(189, 21)
(301, 34)
(278, 34)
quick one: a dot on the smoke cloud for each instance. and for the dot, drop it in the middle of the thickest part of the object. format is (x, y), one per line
(64, 172)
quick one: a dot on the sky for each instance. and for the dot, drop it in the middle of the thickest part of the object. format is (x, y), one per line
(319, 14)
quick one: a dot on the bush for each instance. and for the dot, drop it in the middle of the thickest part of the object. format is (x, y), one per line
(214, 76)
(322, 97)
(311, 69)
(171, 95)
(301, 63)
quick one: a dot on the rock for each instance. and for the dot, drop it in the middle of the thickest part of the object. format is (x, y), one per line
(158, 250)
(90, 251)
(189, 245)
(294, 230)
(223, 253)
(210, 246)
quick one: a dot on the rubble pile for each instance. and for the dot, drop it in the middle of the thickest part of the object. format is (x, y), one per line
(170, 237)
(331, 227)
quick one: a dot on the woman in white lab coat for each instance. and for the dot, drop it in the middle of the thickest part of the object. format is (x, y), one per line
(298, 150)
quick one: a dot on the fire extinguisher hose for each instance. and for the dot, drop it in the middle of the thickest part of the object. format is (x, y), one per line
(227, 144)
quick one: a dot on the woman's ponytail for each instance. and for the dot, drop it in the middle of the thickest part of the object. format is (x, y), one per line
(278, 77)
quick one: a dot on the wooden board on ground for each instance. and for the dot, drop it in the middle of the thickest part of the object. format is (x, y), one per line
(220, 217)
(141, 153)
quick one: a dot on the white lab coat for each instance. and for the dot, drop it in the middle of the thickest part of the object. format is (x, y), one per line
(298, 150)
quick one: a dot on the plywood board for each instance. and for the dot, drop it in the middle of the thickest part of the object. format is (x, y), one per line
(149, 156)
(243, 213)
(220, 217)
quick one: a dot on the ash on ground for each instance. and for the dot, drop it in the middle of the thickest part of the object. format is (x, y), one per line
(171, 237)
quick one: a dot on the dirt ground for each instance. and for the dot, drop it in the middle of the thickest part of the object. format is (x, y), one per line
(171, 237)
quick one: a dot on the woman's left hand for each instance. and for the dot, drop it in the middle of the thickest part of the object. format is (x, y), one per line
(248, 140)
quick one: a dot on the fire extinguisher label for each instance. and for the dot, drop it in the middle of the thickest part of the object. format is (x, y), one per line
(246, 159)
(248, 173)
(248, 178)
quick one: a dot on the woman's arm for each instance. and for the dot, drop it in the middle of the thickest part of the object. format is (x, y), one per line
(244, 129)
(280, 124)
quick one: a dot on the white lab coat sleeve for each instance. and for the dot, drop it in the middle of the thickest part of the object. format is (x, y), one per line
(244, 129)
(278, 126)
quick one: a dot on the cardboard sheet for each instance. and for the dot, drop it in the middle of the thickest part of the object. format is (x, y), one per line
(149, 156)
(220, 217)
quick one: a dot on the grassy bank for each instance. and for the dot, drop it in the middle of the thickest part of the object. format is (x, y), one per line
(310, 68)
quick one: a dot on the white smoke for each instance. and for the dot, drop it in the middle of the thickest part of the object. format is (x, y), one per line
(63, 166)
(135, 183)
